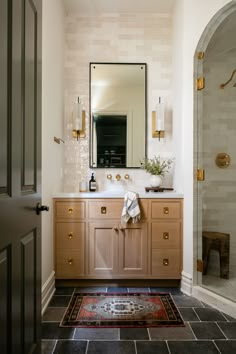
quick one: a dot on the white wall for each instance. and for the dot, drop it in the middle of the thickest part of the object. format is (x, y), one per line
(190, 19)
(52, 121)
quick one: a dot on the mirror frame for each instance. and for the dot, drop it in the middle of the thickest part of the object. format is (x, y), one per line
(90, 112)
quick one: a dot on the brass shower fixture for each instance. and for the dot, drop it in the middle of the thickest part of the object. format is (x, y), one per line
(230, 79)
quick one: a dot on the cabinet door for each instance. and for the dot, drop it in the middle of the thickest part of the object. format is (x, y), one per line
(103, 248)
(133, 249)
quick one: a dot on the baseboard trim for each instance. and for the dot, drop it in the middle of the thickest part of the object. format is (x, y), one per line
(215, 300)
(48, 290)
(186, 283)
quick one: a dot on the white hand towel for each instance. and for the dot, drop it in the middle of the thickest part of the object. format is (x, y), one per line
(131, 208)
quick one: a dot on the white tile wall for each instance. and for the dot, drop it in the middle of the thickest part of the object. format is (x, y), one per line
(115, 37)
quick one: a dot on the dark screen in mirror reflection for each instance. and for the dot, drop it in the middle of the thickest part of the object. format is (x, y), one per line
(117, 115)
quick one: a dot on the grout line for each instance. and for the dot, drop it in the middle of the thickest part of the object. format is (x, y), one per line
(149, 336)
(221, 330)
(196, 314)
(135, 347)
(213, 341)
(86, 351)
(54, 346)
(192, 330)
(227, 320)
(168, 346)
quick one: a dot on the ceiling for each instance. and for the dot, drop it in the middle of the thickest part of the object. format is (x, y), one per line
(98, 6)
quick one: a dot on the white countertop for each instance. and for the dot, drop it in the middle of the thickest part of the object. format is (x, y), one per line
(119, 194)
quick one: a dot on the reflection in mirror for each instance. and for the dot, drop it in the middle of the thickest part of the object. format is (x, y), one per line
(118, 115)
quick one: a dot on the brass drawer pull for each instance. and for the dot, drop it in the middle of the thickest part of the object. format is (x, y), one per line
(70, 210)
(70, 236)
(165, 235)
(166, 210)
(165, 261)
(103, 210)
(70, 261)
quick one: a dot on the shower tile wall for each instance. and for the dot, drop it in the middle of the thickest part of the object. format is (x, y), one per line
(219, 132)
(115, 38)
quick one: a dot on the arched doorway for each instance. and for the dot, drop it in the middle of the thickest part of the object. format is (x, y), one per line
(215, 153)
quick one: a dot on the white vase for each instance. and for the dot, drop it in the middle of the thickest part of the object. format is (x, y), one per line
(155, 180)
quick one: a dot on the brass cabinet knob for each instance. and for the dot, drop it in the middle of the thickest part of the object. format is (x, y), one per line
(70, 261)
(165, 235)
(165, 261)
(126, 176)
(70, 235)
(166, 210)
(109, 176)
(70, 210)
(118, 177)
(103, 210)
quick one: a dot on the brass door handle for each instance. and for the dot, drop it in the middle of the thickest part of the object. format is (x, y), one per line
(166, 210)
(70, 210)
(165, 261)
(70, 261)
(165, 235)
(70, 235)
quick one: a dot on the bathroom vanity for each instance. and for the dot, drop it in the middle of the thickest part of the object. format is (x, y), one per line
(91, 242)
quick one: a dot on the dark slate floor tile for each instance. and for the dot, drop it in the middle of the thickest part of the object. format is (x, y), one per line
(134, 333)
(138, 290)
(59, 301)
(226, 346)
(186, 301)
(172, 290)
(64, 291)
(229, 329)
(91, 289)
(54, 314)
(188, 314)
(117, 290)
(52, 330)
(70, 347)
(148, 347)
(46, 347)
(209, 314)
(97, 333)
(193, 347)
(109, 347)
(206, 330)
(165, 333)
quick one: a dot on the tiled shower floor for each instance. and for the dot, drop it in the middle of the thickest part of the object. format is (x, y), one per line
(206, 331)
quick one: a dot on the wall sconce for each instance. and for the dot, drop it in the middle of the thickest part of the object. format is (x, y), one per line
(78, 120)
(158, 120)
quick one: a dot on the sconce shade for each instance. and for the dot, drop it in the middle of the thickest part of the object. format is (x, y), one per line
(77, 116)
(78, 120)
(160, 116)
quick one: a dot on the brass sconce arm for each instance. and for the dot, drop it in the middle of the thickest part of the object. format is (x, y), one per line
(230, 79)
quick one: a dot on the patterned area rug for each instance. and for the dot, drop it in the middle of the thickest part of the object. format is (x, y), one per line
(121, 310)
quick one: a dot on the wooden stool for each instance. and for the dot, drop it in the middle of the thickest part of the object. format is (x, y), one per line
(220, 242)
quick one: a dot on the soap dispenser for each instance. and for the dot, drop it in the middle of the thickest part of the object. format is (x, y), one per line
(92, 184)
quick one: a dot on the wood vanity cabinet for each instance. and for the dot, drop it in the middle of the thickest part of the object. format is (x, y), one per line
(92, 243)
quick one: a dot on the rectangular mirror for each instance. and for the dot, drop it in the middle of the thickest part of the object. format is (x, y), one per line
(117, 115)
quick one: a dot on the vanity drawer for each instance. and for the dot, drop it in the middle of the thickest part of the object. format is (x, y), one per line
(105, 209)
(69, 235)
(70, 210)
(166, 210)
(166, 234)
(69, 263)
(166, 263)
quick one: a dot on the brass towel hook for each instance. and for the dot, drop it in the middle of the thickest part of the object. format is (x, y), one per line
(230, 79)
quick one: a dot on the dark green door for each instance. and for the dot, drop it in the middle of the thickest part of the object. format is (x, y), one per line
(20, 171)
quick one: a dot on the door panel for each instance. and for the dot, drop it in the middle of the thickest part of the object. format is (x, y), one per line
(4, 87)
(20, 227)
